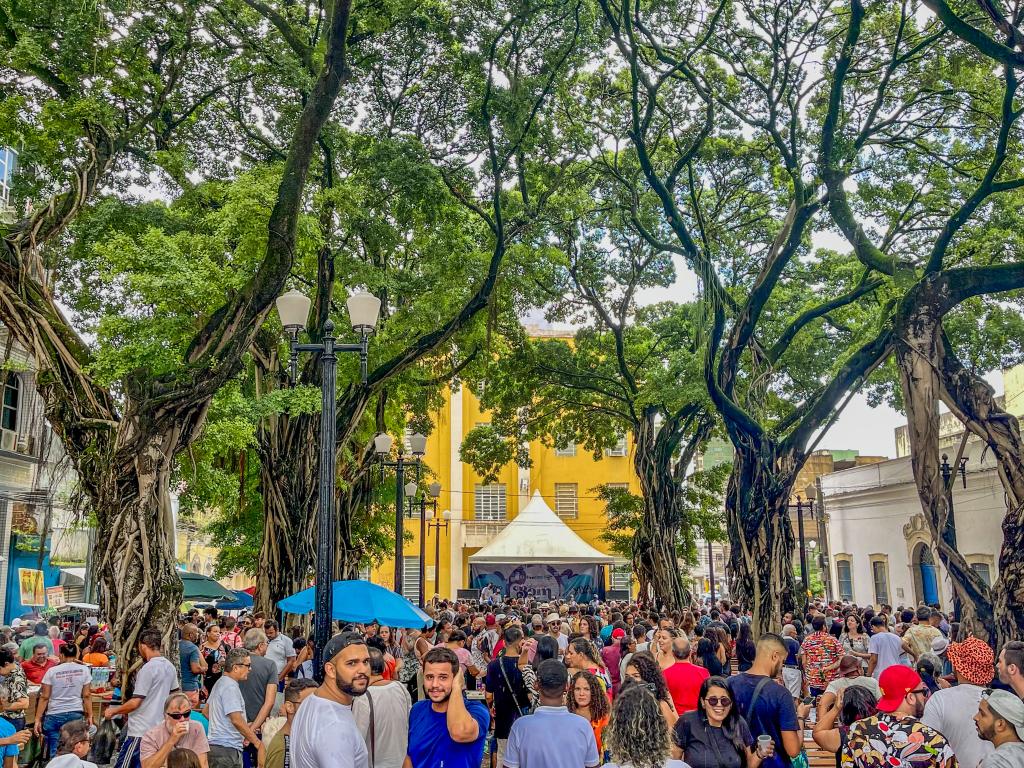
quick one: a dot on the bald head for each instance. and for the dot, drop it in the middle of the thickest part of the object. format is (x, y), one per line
(680, 648)
(789, 631)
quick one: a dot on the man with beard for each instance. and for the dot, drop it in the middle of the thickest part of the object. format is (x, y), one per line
(324, 732)
(767, 706)
(896, 735)
(446, 730)
(1000, 720)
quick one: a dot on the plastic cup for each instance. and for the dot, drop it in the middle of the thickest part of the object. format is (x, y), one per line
(764, 743)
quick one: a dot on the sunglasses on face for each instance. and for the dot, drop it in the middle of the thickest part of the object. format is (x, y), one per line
(178, 715)
(921, 691)
(718, 701)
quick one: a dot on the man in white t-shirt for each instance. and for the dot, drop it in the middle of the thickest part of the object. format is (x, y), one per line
(552, 737)
(225, 710)
(324, 732)
(153, 684)
(63, 697)
(279, 649)
(885, 648)
(554, 622)
(382, 716)
(951, 711)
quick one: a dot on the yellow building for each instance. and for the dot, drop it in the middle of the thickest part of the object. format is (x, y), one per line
(566, 479)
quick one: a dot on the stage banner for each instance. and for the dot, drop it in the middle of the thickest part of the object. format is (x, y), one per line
(544, 582)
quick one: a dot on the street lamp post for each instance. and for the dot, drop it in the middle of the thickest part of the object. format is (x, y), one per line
(433, 491)
(417, 447)
(948, 531)
(293, 309)
(711, 572)
(436, 523)
(803, 547)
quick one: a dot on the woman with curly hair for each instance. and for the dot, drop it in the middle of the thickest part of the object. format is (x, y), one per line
(586, 698)
(645, 670)
(581, 655)
(637, 736)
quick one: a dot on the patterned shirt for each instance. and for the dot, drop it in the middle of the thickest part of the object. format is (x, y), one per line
(821, 650)
(885, 741)
(13, 688)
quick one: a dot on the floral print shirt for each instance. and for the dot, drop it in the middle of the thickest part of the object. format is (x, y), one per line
(13, 688)
(821, 650)
(886, 741)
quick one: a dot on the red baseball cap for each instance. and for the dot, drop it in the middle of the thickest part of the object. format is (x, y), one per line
(896, 682)
(619, 633)
(490, 620)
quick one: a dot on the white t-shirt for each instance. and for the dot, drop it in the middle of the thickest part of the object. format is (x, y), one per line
(670, 763)
(1008, 755)
(225, 698)
(279, 650)
(841, 683)
(888, 647)
(951, 712)
(391, 705)
(66, 682)
(552, 737)
(70, 760)
(153, 684)
(324, 735)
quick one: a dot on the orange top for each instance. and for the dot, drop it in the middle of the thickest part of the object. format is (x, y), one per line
(599, 726)
(96, 659)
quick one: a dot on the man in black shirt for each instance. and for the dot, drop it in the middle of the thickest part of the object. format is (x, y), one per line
(506, 689)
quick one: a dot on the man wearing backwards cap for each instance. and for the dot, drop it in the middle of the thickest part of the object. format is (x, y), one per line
(896, 736)
(950, 711)
(1000, 720)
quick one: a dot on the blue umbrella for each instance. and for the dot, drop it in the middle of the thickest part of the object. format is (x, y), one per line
(361, 602)
(242, 600)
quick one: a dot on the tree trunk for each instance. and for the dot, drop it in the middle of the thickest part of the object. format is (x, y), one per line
(655, 556)
(761, 538)
(919, 357)
(289, 451)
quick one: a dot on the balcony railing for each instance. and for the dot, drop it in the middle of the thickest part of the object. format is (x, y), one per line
(479, 533)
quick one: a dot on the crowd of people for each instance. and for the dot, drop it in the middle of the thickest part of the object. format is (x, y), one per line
(525, 684)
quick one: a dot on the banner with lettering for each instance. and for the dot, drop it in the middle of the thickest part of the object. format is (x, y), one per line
(543, 582)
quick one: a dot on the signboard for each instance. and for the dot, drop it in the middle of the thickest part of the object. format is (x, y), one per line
(30, 585)
(55, 597)
(537, 580)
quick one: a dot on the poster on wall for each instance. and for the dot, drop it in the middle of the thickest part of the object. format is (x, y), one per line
(55, 597)
(537, 580)
(30, 583)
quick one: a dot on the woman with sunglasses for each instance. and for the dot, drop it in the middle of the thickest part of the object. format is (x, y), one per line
(715, 735)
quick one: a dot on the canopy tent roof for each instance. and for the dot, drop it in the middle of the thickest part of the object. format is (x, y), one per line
(538, 535)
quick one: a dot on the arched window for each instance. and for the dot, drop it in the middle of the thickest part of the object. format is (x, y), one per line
(12, 397)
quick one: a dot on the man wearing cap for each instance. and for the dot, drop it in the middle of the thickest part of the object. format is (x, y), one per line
(951, 710)
(896, 735)
(554, 622)
(1000, 720)
(324, 733)
(939, 646)
(850, 673)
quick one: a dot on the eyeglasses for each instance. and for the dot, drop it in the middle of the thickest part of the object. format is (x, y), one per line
(178, 715)
(245, 665)
(718, 701)
(921, 691)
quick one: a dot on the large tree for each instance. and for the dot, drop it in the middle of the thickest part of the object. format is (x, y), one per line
(99, 90)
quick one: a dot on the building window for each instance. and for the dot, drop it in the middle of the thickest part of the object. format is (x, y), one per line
(566, 500)
(880, 576)
(983, 570)
(364, 573)
(411, 578)
(569, 450)
(8, 159)
(619, 449)
(844, 575)
(489, 502)
(622, 577)
(12, 396)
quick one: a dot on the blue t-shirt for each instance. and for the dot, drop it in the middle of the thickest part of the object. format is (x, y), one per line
(189, 652)
(6, 731)
(430, 746)
(793, 648)
(774, 713)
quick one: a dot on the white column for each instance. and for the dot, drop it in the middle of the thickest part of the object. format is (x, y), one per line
(456, 495)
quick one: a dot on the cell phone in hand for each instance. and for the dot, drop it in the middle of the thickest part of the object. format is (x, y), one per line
(808, 700)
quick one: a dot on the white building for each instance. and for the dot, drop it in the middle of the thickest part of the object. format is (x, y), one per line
(882, 550)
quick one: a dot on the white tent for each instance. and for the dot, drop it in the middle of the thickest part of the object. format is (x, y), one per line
(538, 535)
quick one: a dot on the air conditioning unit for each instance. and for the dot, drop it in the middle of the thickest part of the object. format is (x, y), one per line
(8, 440)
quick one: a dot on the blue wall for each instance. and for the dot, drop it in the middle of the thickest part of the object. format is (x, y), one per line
(19, 558)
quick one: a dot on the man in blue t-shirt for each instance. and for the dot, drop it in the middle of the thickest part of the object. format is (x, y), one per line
(773, 712)
(11, 741)
(447, 730)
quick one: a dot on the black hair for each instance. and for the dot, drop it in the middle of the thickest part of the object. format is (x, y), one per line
(858, 703)
(552, 677)
(512, 634)
(293, 691)
(376, 658)
(151, 638)
(547, 648)
(818, 622)
(651, 674)
(441, 655)
(731, 725)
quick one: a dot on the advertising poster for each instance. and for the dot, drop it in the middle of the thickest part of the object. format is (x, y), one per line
(55, 597)
(30, 582)
(543, 582)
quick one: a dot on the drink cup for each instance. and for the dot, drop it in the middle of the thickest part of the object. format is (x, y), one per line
(764, 745)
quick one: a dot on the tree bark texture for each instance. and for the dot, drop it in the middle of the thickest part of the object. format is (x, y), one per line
(761, 540)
